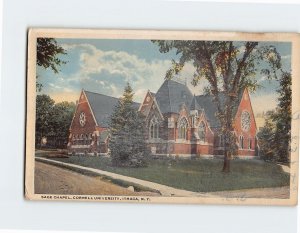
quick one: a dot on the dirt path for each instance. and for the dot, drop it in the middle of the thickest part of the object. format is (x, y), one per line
(50, 179)
(163, 189)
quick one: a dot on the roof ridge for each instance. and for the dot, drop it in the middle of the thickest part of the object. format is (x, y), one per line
(174, 81)
(100, 94)
(107, 96)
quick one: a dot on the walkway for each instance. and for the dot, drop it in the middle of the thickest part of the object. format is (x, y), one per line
(276, 192)
(163, 189)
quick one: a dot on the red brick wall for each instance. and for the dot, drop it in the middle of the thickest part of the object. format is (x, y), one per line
(204, 149)
(88, 128)
(171, 132)
(182, 148)
(90, 124)
(245, 105)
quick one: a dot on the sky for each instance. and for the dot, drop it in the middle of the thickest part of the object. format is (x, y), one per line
(105, 66)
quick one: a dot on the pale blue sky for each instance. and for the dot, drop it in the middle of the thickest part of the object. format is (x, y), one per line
(104, 66)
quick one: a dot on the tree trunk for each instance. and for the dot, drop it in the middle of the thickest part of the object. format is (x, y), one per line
(226, 164)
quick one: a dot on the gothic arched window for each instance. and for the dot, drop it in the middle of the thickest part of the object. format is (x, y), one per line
(183, 125)
(202, 131)
(154, 128)
(241, 142)
(249, 143)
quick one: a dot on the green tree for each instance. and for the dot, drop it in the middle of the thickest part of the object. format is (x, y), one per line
(275, 137)
(43, 125)
(266, 138)
(62, 115)
(47, 56)
(229, 67)
(127, 144)
(283, 117)
(52, 120)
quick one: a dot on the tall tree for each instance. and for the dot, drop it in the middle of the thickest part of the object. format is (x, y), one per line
(229, 67)
(47, 56)
(52, 120)
(282, 117)
(266, 138)
(62, 115)
(127, 144)
(44, 109)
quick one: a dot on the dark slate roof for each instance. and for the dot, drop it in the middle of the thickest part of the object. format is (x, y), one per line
(210, 107)
(194, 104)
(103, 106)
(171, 95)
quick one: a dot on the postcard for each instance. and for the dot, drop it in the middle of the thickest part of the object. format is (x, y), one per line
(154, 116)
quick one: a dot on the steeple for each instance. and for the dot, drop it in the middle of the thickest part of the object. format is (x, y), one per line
(194, 104)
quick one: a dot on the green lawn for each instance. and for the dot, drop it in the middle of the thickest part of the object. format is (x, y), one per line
(199, 175)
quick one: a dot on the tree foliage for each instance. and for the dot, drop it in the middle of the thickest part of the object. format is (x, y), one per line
(44, 106)
(62, 114)
(127, 144)
(52, 120)
(229, 67)
(283, 117)
(266, 137)
(47, 56)
(275, 137)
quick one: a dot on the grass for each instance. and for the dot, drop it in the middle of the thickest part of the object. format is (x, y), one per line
(198, 175)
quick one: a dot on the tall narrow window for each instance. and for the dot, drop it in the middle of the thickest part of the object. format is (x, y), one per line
(202, 131)
(183, 125)
(154, 128)
(249, 144)
(241, 142)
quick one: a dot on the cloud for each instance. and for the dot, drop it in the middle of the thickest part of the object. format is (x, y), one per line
(109, 71)
(54, 87)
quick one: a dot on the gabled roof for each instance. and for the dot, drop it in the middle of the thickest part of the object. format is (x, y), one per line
(210, 107)
(145, 109)
(194, 104)
(103, 106)
(171, 95)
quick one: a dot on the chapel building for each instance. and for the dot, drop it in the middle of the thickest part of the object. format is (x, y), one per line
(177, 123)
